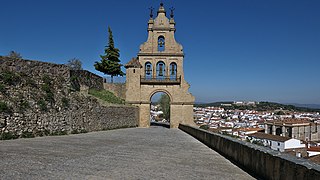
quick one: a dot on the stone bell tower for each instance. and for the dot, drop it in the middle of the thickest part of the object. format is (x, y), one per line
(159, 68)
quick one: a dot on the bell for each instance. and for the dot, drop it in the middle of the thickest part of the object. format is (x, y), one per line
(161, 42)
(148, 70)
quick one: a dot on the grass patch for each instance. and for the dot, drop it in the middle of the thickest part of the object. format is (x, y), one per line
(106, 96)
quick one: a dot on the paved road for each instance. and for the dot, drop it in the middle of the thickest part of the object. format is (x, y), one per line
(135, 153)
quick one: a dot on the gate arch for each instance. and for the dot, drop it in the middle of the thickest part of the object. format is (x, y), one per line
(160, 90)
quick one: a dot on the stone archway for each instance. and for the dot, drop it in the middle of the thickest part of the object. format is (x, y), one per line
(160, 100)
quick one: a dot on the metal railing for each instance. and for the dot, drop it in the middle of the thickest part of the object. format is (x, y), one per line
(161, 80)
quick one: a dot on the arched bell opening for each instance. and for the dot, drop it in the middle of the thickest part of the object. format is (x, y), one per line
(173, 71)
(161, 43)
(161, 70)
(148, 70)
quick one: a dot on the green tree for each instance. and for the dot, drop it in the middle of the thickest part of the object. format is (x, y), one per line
(74, 64)
(280, 113)
(164, 102)
(110, 62)
(14, 54)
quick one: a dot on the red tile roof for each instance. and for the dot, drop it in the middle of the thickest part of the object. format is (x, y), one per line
(134, 62)
(314, 148)
(260, 135)
(251, 129)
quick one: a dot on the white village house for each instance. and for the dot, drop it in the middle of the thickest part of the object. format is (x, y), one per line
(275, 142)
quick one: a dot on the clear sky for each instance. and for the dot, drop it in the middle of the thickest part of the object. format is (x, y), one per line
(253, 50)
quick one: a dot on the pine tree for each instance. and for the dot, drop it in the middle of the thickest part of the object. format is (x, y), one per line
(110, 62)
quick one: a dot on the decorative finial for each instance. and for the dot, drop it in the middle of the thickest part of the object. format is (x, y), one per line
(151, 11)
(172, 9)
(161, 4)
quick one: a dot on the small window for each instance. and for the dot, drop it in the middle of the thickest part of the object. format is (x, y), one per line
(278, 144)
(134, 71)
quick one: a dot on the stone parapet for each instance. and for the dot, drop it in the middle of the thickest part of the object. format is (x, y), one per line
(261, 162)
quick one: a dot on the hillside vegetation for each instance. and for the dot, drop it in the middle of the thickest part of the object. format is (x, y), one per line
(106, 96)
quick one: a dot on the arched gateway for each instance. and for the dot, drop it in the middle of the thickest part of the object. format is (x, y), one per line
(159, 68)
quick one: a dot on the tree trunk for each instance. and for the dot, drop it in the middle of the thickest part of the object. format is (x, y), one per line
(111, 79)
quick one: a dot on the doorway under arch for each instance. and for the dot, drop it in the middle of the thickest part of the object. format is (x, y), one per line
(160, 103)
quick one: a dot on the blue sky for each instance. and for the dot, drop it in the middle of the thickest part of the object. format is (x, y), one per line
(254, 50)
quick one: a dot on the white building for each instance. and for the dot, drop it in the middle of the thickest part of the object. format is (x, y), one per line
(275, 142)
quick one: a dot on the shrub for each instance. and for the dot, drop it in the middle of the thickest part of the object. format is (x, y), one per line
(75, 85)
(49, 94)
(7, 136)
(74, 131)
(65, 102)
(31, 82)
(49, 97)
(2, 88)
(83, 131)
(205, 127)
(42, 105)
(23, 105)
(47, 80)
(10, 78)
(27, 134)
(58, 133)
(4, 107)
(46, 132)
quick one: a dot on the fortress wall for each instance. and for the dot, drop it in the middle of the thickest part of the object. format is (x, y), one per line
(37, 99)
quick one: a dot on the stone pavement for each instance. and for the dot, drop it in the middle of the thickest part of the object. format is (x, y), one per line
(135, 153)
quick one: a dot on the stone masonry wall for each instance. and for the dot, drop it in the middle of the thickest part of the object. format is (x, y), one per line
(261, 162)
(119, 89)
(85, 78)
(37, 98)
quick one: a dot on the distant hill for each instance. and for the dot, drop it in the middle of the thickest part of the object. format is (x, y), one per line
(311, 106)
(262, 106)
